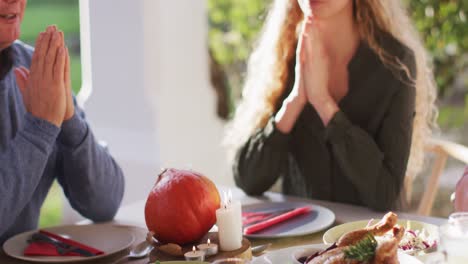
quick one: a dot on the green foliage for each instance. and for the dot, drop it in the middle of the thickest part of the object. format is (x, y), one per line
(38, 17)
(51, 211)
(443, 25)
(452, 116)
(363, 250)
(466, 105)
(75, 67)
(63, 13)
(52, 2)
(235, 24)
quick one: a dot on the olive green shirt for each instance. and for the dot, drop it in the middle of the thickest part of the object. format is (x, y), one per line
(360, 157)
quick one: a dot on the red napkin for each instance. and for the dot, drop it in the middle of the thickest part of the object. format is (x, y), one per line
(250, 218)
(47, 249)
(276, 220)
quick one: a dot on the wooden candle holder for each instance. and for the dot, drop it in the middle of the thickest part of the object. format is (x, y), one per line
(244, 252)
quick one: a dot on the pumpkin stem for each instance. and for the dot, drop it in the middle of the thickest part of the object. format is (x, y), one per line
(160, 174)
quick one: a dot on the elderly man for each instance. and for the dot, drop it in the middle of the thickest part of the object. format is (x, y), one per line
(44, 135)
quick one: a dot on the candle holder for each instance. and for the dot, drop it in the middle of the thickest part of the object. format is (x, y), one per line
(231, 261)
(195, 255)
(244, 252)
(209, 248)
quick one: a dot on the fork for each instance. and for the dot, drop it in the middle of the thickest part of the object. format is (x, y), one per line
(61, 250)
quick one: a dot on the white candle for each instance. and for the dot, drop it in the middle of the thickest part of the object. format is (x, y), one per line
(209, 248)
(195, 255)
(229, 221)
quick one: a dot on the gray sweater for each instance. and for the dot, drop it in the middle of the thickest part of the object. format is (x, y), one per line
(33, 153)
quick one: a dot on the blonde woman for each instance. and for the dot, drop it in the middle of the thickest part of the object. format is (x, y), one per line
(337, 97)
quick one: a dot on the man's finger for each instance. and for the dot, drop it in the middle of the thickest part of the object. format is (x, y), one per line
(37, 47)
(25, 71)
(67, 69)
(52, 57)
(40, 54)
(61, 44)
(20, 80)
(22, 85)
(46, 48)
(59, 65)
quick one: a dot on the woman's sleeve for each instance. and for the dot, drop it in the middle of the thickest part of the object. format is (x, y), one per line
(261, 160)
(376, 166)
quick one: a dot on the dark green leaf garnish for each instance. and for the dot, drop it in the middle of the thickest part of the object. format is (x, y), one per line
(363, 250)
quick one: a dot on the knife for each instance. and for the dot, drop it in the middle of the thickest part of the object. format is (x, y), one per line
(65, 248)
(259, 219)
(276, 220)
(267, 212)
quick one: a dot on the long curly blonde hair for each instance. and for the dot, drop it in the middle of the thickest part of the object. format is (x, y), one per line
(268, 69)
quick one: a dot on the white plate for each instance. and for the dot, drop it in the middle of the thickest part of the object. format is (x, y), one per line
(318, 219)
(108, 238)
(184, 262)
(285, 256)
(333, 234)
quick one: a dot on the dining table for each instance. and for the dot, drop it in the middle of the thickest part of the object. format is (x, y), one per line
(131, 217)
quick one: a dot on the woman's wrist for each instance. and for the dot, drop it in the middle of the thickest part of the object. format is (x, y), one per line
(289, 112)
(326, 107)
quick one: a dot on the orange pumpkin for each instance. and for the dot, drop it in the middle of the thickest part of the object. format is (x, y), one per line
(181, 207)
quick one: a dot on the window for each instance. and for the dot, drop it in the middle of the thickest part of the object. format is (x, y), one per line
(63, 13)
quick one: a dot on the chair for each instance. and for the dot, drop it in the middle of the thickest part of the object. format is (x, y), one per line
(442, 149)
(460, 196)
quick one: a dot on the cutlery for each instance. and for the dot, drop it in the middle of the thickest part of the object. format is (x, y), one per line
(266, 212)
(257, 250)
(276, 220)
(141, 250)
(62, 248)
(256, 217)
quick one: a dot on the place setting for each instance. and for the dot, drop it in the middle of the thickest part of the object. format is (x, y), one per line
(172, 235)
(372, 241)
(189, 220)
(225, 230)
(72, 243)
(269, 220)
(365, 243)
